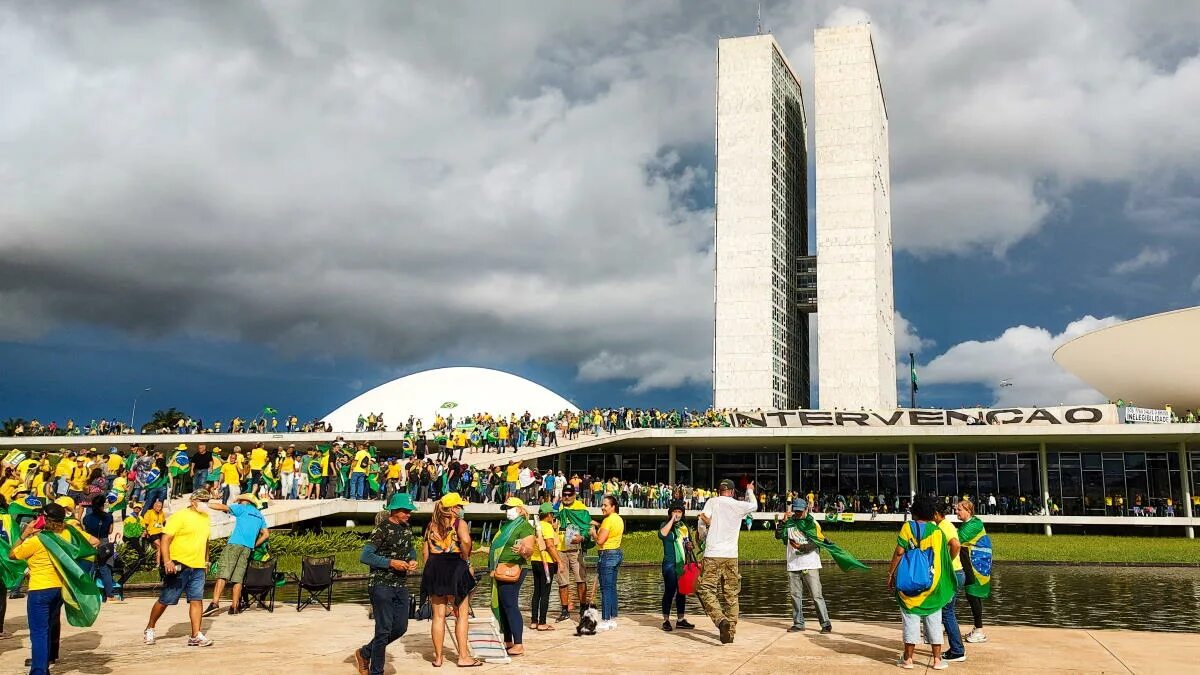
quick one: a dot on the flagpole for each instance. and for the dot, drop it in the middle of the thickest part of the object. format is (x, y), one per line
(912, 382)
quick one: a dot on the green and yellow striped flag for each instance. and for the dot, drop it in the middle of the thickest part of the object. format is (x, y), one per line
(81, 597)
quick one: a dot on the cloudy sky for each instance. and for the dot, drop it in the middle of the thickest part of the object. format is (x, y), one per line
(242, 204)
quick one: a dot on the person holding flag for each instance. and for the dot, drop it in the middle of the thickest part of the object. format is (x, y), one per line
(923, 609)
(51, 550)
(179, 465)
(576, 539)
(977, 564)
(512, 546)
(802, 535)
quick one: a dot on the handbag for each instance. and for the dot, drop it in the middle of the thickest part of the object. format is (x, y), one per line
(507, 572)
(691, 575)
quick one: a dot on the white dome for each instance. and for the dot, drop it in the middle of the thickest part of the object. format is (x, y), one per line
(473, 390)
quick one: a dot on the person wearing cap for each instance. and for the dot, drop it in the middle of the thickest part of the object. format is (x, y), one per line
(512, 546)
(803, 565)
(720, 580)
(249, 531)
(576, 528)
(448, 578)
(184, 548)
(44, 602)
(544, 563)
(676, 541)
(390, 555)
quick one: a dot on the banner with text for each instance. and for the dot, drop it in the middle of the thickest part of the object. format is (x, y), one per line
(1131, 415)
(906, 417)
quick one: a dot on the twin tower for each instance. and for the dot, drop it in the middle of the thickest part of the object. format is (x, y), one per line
(767, 283)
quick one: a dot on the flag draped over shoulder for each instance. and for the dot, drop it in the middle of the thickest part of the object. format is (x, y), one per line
(179, 463)
(155, 479)
(116, 500)
(811, 529)
(11, 571)
(941, 591)
(24, 506)
(498, 543)
(978, 544)
(578, 515)
(81, 596)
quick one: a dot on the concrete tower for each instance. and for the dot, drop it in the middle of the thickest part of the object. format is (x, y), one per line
(856, 338)
(760, 350)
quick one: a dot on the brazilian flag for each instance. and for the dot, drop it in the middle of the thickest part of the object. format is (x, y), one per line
(975, 539)
(27, 506)
(154, 479)
(179, 463)
(926, 535)
(406, 447)
(81, 597)
(314, 470)
(116, 500)
(11, 571)
(269, 477)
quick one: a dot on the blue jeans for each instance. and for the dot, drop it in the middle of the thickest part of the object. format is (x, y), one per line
(671, 592)
(358, 485)
(390, 606)
(606, 569)
(954, 643)
(155, 495)
(198, 480)
(101, 572)
(40, 607)
(511, 623)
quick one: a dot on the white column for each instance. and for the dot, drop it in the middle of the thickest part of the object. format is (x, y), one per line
(787, 471)
(1185, 477)
(1044, 475)
(912, 471)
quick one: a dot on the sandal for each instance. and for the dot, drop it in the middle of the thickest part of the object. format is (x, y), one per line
(474, 662)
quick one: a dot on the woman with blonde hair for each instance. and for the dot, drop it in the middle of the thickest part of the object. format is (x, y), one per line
(976, 555)
(448, 577)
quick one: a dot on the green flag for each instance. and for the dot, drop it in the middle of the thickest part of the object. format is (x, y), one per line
(926, 535)
(81, 597)
(810, 529)
(267, 410)
(912, 374)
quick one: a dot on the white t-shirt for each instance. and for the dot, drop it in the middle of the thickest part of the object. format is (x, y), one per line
(797, 561)
(725, 523)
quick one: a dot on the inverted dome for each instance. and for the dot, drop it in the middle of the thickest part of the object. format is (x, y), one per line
(471, 390)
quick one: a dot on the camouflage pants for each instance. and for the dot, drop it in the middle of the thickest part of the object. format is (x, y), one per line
(718, 590)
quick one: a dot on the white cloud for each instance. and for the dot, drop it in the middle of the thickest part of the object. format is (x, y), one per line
(409, 181)
(908, 341)
(1147, 258)
(1022, 356)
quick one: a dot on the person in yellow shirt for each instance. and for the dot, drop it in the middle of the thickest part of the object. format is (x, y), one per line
(258, 460)
(955, 651)
(512, 474)
(45, 600)
(287, 474)
(544, 565)
(115, 462)
(184, 548)
(358, 473)
(9, 484)
(608, 540)
(231, 476)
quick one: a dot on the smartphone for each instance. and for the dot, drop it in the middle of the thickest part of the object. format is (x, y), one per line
(40, 522)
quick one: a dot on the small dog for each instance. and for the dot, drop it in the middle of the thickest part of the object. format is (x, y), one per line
(589, 616)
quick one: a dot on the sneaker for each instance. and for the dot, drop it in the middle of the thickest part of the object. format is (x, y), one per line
(726, 632)
(148, 636)
(666, 626)
(361, 663)
(606, 625)
(199, 641)
(827, 628)
(212, 610)
(954, 658)
(684, 623)
(566, 614)
(941, 665)
(796, 629)
(975, 636)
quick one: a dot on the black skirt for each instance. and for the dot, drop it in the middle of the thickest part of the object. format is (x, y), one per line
(447, 574)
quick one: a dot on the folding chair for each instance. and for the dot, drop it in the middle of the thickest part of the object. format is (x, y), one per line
(258, 587)
(316, 579)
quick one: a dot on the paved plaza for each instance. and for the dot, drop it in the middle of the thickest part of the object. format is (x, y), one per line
(317, 641)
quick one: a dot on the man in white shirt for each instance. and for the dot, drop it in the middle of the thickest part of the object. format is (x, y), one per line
(803, 566)
(722, 516)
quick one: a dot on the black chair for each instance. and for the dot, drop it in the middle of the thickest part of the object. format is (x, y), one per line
(258, 586)
(315, 580)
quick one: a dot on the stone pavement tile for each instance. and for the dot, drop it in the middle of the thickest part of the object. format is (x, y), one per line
(1138, 652)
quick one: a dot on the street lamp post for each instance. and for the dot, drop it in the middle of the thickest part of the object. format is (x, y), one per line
(133, 412)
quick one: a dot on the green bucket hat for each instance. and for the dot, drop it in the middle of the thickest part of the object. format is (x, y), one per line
(400, 500)
(545, 508)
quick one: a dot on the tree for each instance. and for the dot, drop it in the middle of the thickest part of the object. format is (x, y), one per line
(163, 419)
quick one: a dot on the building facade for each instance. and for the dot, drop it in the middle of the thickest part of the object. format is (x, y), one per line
(856, 337)
(760, 346)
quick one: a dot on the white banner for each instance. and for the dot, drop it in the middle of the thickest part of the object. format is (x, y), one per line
(1131, 415)
(907, 417)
